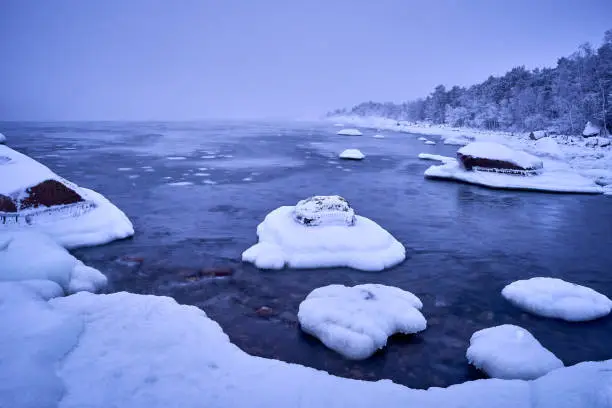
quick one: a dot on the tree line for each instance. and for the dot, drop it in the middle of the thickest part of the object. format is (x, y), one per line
(561, 99)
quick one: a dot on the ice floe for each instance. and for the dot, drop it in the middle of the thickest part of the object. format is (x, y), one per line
(37, 199)
(180, 183)
(430, 142)
(378, 136)
(51, 262)
(511, 353)
(124, 169)
(349, 132)
(356, 321)
(312, 235)
(147, 351)
(352, 154)
(556, 298)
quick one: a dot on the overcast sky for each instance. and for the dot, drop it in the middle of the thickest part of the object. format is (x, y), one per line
(196, 59)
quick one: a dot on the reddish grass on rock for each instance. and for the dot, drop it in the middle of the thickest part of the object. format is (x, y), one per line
(49, 193)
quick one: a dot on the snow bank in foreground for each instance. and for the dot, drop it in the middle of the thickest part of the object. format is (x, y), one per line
(133, 351)
(551, 297)
(437, 157)
(50, 262)
(2, 138)
(285, 242)
(552, 181)
(352, 154)
(349, 132)
(356, 321)
(89, 220)
(510, 352)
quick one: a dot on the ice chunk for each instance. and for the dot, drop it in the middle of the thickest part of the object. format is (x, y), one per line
(556, 298)
(176, 158)
(430, 142)
(496, 156)
(349, 132)
(510, 352)
(560, 181)
(591, 129)
(352, 154)
(52, 262)
(180, 183)
(436, 157)
(43, 201)
(356, 321)
(423, 139)
(364, 245)
(324, 210)
(377, 136)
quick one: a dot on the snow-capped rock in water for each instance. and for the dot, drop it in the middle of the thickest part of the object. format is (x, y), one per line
(422, 139)
(323, 232)
(32, 197)
(356, 321)
(349, 132)
(556, 298)
(352, 154)
(538, 134)
(133, 351)
(2, 138)
(591, 129)
(377, 136)
(437, 157)
(510, 352)
(50, 262)
(487, 156)
(430, 142)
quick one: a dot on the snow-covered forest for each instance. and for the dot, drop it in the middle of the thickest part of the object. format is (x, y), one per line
(560, 99)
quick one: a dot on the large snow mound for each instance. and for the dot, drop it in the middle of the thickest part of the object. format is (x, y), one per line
(349, 132)
(132, 351)
(488, 154)
(556, 298)
(352, 154)
(88, 218)
(356, 321)
(561, 181)
(51, 262)
(285, 242)
(510, 352)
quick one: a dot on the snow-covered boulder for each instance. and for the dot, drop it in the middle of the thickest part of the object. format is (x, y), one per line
(32, 197)
(547, 146)
(350, 132)
(487, 156)
(422, 139)
(511, 353)
(556, 298)
(597, 142)
(591, 129)
(352, 154)
(356, 321)
(2, 138)
(538, 134)
(377, 136)
(313, 235)
(430, 142)
(50, 262)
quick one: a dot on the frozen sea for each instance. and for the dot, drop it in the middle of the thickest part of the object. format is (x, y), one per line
(196, 192)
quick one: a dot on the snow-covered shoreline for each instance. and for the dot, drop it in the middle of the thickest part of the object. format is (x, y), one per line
(594, 162)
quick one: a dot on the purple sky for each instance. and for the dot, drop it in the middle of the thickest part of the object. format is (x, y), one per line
(196, 59)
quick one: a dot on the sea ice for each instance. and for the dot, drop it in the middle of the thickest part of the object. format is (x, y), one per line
(52, 262)
(349, 132)
(285, 242)
(91, 221)
(352, 154)
(356, 321)
(423, 139)
(511, 353)
(556, 298)
(180, 183)
(176, 158)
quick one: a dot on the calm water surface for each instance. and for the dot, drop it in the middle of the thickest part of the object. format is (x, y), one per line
(464, 243)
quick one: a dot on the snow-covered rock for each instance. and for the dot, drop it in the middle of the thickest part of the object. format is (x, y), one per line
(350, 132)
(591, 129)
(133, 351)
(560, 181)
(495, 156)
(352, 154)
(50, 262)
(319, 241)
(32, 197)
(356, 321)
(324, 210)
(547, 146)
(510, 352)
(2, 138)
(538, 134)
(378, 136)
(597, 142)
(556, 298)
(437, 157)
(430, 142)
(422, 139)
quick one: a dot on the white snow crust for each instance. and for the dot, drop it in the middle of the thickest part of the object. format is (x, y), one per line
(352, 154)
(350, 132)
